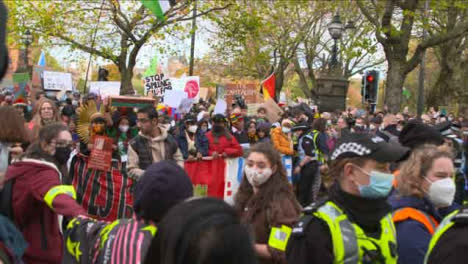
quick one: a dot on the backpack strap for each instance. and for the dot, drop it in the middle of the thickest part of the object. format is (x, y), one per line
(406, 213)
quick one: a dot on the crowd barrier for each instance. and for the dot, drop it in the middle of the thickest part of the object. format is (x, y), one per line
(222, 177)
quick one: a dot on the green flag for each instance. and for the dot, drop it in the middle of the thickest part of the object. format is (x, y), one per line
(158, 7)
(406, 93)
(153, 68)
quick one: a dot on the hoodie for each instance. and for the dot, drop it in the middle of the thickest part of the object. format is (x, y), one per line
(39, 223)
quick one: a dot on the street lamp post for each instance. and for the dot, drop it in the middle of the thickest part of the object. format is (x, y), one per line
(27, 40)
(335, 28)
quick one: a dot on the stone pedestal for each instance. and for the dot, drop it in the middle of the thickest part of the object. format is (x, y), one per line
(332, 91)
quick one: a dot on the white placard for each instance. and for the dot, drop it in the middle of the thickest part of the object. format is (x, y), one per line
(185, 105)
(220, 107)
(57, 81)
(104, 89)
(189, 84)
(173, 98)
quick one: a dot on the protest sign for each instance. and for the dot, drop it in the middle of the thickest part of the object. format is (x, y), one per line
(157, 85)
(274, 112)
(129, 101)
(173, 98)
(189, 84)
(185, 105)
(104, 89)
(221, 178)
(21, 87)
(57, 81)
(101, 153)
(248, 91)
(220, 91)
(220, 107)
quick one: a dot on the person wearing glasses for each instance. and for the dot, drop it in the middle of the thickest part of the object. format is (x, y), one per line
(37, 195)
(152, 144)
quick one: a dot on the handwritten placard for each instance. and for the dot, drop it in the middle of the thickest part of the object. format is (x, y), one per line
(57, 81)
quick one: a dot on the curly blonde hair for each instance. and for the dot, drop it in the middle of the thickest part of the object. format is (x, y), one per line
(414, 170)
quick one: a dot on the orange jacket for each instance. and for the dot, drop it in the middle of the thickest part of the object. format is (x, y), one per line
(281, 142)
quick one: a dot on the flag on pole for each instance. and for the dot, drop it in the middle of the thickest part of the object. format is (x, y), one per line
(158, 7)
(42, 60)
(268, 87)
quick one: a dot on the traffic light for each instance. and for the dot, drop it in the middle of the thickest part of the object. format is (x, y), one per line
(370, 87)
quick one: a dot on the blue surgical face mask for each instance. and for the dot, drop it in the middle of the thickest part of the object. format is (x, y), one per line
(380, 184)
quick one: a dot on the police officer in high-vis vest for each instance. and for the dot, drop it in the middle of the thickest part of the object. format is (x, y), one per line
(449, 244)
(354, 224)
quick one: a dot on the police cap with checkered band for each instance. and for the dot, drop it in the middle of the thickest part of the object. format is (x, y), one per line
(366, 146)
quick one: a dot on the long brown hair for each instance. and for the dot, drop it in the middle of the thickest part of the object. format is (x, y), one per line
(12, 129)
(37, 120)
(277, 184)
(415, 168)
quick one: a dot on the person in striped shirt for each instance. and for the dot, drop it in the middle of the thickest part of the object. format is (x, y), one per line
(125, 241)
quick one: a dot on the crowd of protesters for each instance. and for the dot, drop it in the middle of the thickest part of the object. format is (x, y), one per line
(379, 171)
(366, 187)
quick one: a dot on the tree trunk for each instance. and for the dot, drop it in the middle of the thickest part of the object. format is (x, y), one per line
(395, 80)
(304, 86)
(126, 81)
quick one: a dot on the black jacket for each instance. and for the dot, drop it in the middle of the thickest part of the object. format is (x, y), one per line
(314, 244)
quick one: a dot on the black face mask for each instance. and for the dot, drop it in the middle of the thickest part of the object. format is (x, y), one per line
(62, 154)
(218, 129)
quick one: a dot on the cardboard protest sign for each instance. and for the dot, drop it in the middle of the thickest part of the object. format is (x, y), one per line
(188, 84)
(157, 85)
(274, 112)
(57, 81)
(101, 153)
(173, 98)
(249, 91)
(104, 89)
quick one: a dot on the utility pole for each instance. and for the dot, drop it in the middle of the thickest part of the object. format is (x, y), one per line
(421, 69)
(192, 46)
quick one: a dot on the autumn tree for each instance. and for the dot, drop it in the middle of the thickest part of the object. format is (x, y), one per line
(123, 27)
(451, 56)
(396, 22)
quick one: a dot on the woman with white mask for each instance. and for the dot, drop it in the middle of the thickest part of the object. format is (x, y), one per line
(265, 201)
(425, 185)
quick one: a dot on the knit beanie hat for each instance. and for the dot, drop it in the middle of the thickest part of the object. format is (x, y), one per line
(415, 134)
(163, 185)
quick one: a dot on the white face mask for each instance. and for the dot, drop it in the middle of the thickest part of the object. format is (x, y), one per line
(286, 130)
(442, 192)
(257, 178)
(192, 129)
(123, 129)
(371, 127)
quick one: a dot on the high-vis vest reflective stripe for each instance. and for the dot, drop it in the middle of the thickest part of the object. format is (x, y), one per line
(406, 213)
(317, 153)
(350, 242)
(57, 190)
(444, 226)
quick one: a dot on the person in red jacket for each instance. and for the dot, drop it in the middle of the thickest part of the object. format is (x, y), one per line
(38, 196)
(221, 144)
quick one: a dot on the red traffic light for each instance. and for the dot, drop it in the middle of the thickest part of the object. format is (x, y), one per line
(370, 78)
